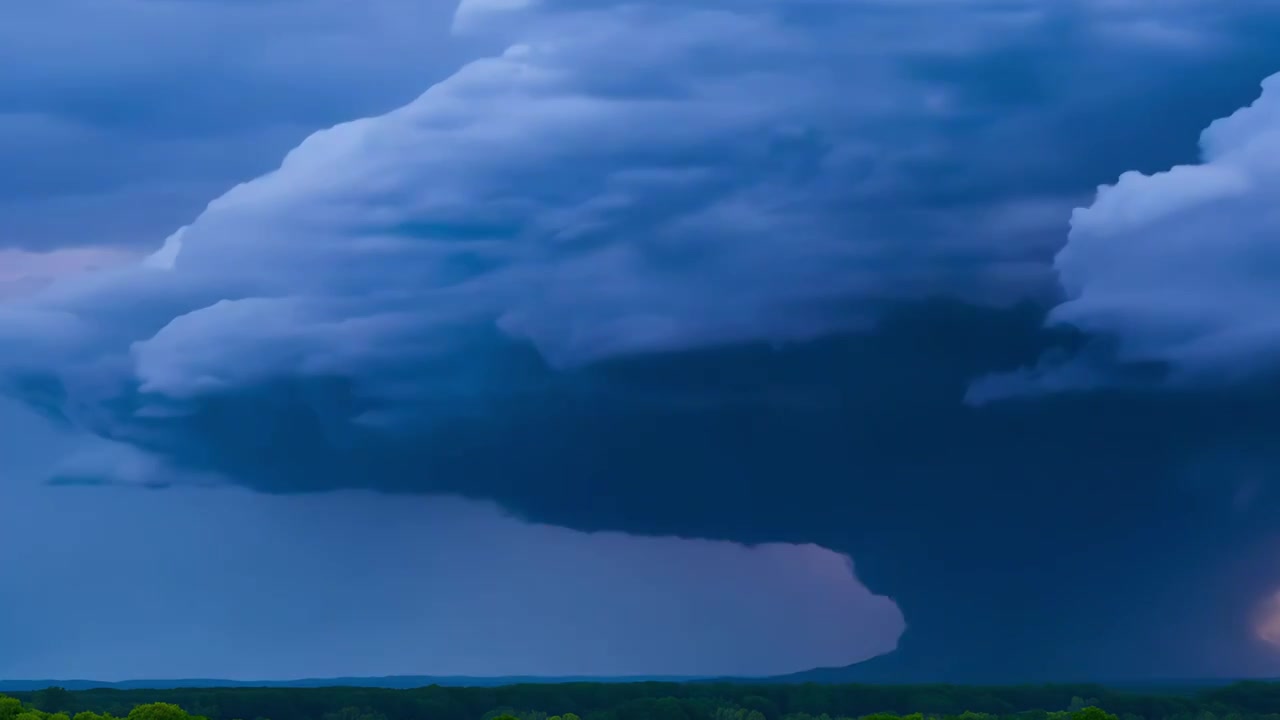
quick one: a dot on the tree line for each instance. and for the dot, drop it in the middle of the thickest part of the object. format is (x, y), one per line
(652, 701)
(13, 709)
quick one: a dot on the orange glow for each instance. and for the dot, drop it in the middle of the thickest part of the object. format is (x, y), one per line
(1267, 625)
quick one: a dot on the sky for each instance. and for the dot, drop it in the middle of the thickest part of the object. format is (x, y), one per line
(562, 337)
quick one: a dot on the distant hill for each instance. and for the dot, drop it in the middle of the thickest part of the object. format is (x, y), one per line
(884, 670)
(398, 682)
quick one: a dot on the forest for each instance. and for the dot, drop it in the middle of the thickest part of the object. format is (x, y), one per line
(653, 701)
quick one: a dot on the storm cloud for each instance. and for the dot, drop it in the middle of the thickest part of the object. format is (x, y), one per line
(583, 196)
(729, 270)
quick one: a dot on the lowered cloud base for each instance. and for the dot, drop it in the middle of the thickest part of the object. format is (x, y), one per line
(213, 582)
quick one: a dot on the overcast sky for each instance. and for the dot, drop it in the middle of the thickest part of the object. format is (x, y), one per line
(418, 337)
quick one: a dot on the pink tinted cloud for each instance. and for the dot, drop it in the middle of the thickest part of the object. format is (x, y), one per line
(23, 272)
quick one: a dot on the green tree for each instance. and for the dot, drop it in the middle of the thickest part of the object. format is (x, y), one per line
(54, 700)
(1092, 713)
(9, 707)
(763, 705)
(158, 711)
(354, 713)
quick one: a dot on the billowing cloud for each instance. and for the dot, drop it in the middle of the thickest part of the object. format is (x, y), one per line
(360, 584)
(130, 129)
(602, 277)
(1173, 270)
(622, 179)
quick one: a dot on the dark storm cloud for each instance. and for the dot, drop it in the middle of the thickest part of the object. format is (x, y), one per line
(684, 287)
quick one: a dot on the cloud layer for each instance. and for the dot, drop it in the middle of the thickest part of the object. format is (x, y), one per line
(623, 179)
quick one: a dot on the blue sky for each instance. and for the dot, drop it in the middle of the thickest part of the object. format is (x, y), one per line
(318, 312)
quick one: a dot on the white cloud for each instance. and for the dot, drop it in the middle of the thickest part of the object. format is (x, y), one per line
(1178, 267)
